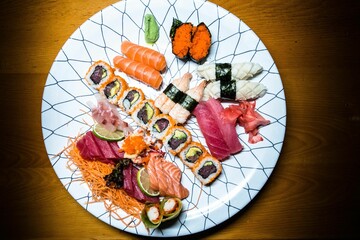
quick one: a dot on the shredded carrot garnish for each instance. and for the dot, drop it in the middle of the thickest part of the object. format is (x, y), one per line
(93, 173)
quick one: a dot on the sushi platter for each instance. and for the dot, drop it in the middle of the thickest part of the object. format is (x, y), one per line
(98, 52)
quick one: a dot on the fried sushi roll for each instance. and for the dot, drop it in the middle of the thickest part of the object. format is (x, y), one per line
(144, 112)
(99, 74)
(130, 99)
(160, 126)
(207, 169)
(177, 139)
(114, 89)
(192, 153)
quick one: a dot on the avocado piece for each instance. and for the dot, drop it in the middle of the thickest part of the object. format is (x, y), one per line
(135, 97)
(193, 154)
(179, 134)
(149, 111)
(178, 138)
(104, 73)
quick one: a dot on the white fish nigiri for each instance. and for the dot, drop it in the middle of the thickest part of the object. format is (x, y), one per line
(239, 71)
(163, 102)
(245, 90)
(182, 110)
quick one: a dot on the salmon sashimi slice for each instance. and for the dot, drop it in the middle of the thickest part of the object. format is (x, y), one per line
(144, 55)
(139, 71)
(165, 177)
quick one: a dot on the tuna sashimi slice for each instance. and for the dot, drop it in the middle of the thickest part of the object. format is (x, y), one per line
(104, 148)
(131, 187)
(128, 186)
(227, 126)
(90, 149)
(211, 131)
(138, 194)
(115, 147)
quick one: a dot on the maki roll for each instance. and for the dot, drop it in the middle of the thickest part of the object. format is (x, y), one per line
(160, 125)
(207, 169)
(130, 99)
(144, 112)
(177, 139)
(114, 89)
(99, 74)
(192, 153)
(190, 41)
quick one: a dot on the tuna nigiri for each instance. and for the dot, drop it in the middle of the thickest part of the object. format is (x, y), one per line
(227, 127)
(144, 55)
(138, 70)
(211, 131)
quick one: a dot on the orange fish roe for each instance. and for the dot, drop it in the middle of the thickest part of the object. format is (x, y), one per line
(182, 40)
(134, 144)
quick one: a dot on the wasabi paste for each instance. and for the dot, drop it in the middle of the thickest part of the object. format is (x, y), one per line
(151, 29)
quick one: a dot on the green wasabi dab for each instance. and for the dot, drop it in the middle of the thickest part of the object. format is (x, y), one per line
(151, 29)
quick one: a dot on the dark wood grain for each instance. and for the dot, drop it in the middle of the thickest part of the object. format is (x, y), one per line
(314, 189)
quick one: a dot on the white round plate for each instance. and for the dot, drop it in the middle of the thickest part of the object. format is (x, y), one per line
(65, 112)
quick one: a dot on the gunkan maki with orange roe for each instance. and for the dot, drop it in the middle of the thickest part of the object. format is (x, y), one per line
(190, 41)
(200, 43)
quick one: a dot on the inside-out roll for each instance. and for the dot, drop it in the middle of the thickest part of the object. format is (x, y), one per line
(99, 74)
(130, 99)
(207, 169)
(144, 112)
(177, 139)
(161, 125)
(192, 153)
(114, 89)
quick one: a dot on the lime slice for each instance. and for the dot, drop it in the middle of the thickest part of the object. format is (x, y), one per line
(143, 180)
(102, 133)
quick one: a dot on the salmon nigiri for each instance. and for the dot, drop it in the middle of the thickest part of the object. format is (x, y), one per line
(182, 110)
(173, 93)
(144, 55)
(139, 71)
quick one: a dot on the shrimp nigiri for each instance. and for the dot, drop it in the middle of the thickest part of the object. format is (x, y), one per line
(144, 55)
(173, 93)
(139, 71)
(182, 110)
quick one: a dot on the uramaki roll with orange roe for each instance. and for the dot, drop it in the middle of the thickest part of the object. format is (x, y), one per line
(207, 169)
(99, 74)
(161, 125)
(114, 89)
(177, 139)
(144, 112)
(192, 153)
(131, 97)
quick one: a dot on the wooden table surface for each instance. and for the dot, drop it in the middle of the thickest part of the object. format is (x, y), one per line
(313, 191)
